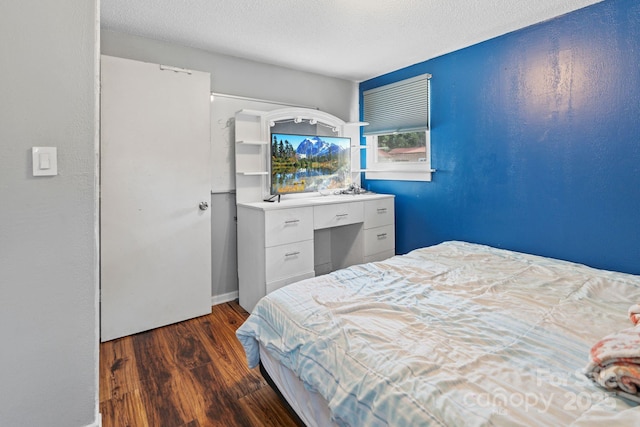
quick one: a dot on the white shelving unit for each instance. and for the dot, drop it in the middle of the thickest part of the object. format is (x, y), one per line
(252, 154)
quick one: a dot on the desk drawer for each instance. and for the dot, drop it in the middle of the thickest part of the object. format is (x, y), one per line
(288, 226)
(288, 260)
(272, 286)
(380, 256)
(378, 212)
(335, 215)
(379, 239)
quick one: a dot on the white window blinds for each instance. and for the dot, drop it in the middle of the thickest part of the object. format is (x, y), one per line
(398, 107)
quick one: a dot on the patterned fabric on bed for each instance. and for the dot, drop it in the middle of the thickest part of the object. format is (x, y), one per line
(453, 334)
(615, 359)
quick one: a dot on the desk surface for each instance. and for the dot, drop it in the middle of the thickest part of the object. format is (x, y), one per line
(294, 201)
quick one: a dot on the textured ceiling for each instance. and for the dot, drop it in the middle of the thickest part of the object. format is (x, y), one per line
(349, 39)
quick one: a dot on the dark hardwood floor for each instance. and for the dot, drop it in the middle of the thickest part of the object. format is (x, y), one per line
(190, 374)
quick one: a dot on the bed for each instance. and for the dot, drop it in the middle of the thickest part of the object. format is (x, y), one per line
(448, 335)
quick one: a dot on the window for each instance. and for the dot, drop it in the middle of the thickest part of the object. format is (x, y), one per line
(398, 135)
(401, 147)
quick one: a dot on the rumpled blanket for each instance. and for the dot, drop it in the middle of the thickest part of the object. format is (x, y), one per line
(615, 359)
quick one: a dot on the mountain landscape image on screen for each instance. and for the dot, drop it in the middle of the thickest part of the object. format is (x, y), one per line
(304, 163)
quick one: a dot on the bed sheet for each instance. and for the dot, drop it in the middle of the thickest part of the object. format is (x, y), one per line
(453, 334)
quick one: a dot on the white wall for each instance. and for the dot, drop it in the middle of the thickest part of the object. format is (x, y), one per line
(235, 76)
(48, 286)
(240, 77)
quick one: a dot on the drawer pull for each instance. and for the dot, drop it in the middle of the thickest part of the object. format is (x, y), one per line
(342, 215)
(382, 210)
(382, 236)
(290, 254)
(291, 221)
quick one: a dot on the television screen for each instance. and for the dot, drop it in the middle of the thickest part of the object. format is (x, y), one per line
(306, 163)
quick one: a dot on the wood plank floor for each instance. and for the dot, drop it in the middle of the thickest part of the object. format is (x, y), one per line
(191, 374)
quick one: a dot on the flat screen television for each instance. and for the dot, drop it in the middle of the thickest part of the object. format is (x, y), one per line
(309, 163)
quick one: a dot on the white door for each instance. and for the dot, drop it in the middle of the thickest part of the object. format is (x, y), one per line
(155, 235)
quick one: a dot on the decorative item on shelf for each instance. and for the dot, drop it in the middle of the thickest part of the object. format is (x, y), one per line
(353, 189)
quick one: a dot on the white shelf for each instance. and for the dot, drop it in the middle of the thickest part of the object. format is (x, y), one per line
(395, 170)
(253, 173)
(253, 142)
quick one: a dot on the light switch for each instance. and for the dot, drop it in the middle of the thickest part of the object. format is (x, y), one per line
(45, 161)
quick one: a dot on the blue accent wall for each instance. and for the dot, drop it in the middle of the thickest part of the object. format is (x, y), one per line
(536, 141)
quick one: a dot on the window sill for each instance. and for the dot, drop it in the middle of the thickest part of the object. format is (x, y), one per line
(399, 175)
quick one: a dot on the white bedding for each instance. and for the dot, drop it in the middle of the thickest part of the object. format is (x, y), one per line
(453, 334)
(310, 407)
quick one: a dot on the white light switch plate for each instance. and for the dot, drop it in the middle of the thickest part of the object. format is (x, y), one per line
(45, 161)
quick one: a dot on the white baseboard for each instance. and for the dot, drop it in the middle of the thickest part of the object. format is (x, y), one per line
(219, 299)
(97, 422)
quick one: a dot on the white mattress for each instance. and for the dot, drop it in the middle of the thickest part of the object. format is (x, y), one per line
(455, 334)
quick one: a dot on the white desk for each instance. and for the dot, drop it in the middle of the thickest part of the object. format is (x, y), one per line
(298, 238)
